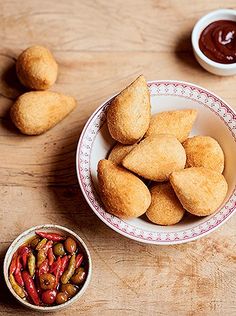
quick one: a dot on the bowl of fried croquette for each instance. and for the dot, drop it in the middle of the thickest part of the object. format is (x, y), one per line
(156, 162)
(47, 268)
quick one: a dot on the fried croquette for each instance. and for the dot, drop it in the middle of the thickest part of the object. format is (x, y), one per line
(204, 151)
(128, 115)
(200, 190)
(119, 152)
(36, 68)
(35, 112)
(178, 123)
(156, 157)
(165, 208)
(122, 193)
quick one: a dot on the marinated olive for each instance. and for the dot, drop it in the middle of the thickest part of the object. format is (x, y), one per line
(61, 298)
(79, 276)
(49, 297)
(47, 281)
(58, 249)
(70, 289)
(34, 242)
(70, 245)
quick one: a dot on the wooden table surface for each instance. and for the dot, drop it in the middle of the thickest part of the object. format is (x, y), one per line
(100, 47)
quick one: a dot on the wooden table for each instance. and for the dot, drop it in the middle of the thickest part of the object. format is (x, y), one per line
(100, 47)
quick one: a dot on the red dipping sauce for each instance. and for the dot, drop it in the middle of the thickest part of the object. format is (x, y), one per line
(218, 41)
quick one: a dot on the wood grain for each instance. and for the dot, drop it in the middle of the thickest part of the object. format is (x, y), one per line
(100, 47)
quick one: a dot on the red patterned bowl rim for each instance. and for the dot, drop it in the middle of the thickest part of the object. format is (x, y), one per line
(97, 119)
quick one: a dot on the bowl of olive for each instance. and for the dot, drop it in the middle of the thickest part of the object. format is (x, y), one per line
(47, 268)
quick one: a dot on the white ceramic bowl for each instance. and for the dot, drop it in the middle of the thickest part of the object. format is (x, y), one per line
(204, 61)
(215, 118)
(26, 235)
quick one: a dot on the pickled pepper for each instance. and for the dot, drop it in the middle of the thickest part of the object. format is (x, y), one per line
(69, 271)
(47, 246)
(31, 264)
(78, 260)
(51, 236)
(64, 261)
(41, 244)
(30, 287)
(44, 267)
(24, 252)
(17, 273)
(19, 291)
(13, 263)
(55, 269)
(51, 257)
(41, 256)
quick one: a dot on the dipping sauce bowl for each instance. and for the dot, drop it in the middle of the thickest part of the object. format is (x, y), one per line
(217, 68)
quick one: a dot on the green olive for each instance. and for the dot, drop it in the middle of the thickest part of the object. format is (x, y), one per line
(34, 242)
(58, 249)
(70, 289)
(70, 245)
(61, 298)
(79, 276)
(47, 281)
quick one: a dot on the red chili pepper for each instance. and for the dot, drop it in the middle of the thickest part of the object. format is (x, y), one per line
(30, 287)
(18, 264)
(78, 260)
(44, 267)
(18, 278)
(51, 236)
(47, 246)
(61, 268)
(51, 257)
(24, 251)
(17, 272)
(64, 262)
(55, 269)
(39, 290)
(24, 259)
(13, 263)
(54, 266)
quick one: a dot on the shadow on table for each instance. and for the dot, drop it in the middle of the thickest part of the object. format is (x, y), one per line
(6, 124)
(70, 204)
(184, 52)
(10, 86)
(10, 89)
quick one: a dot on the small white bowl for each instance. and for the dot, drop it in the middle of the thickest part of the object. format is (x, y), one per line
(26, 235)
(204, 61)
